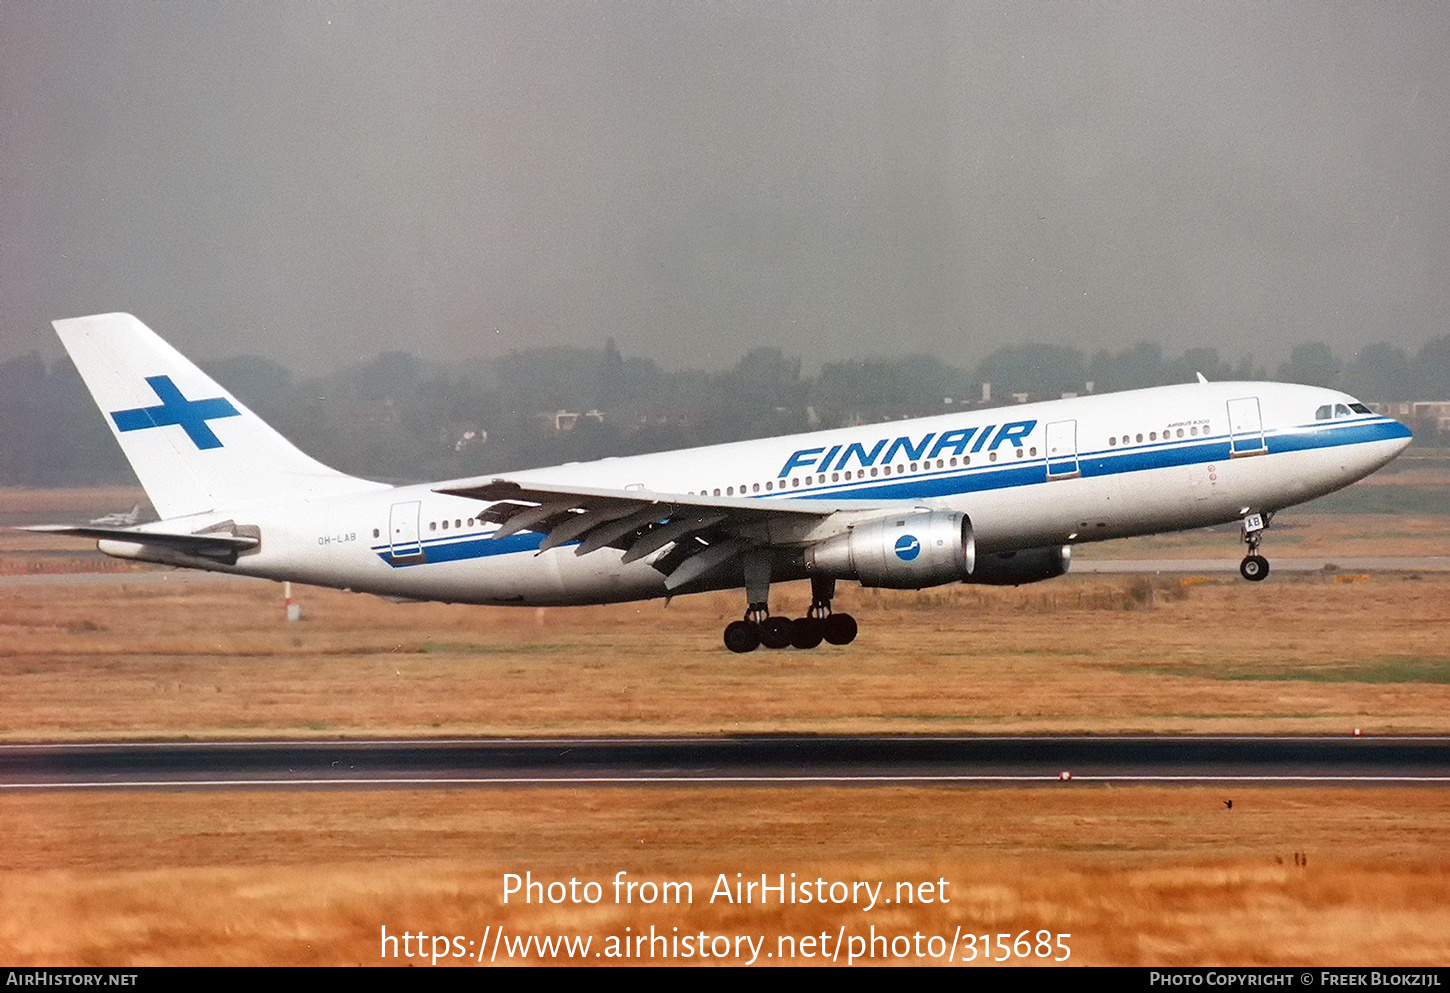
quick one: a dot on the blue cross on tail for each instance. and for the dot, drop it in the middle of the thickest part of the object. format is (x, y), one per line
(190, 415)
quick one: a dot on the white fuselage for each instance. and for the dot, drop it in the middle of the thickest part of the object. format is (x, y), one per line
(1028, 476)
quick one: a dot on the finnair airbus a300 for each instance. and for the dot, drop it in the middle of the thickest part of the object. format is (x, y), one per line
(994, 496)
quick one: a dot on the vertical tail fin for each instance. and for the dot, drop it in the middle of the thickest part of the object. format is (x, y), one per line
(193, 445)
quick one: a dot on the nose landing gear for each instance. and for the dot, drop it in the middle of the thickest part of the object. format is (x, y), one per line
(1254, 567)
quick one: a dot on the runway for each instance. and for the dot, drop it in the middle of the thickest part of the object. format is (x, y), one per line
(1229, 565)
(735, 761)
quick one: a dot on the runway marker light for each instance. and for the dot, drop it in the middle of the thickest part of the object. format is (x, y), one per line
(1064, 776)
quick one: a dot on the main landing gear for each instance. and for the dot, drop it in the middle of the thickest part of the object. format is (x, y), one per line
(1255, 567)
(760, 628)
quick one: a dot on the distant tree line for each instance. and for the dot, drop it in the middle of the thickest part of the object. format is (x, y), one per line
(397, 417)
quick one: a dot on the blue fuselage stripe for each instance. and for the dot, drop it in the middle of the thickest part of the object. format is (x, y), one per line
(457, 548)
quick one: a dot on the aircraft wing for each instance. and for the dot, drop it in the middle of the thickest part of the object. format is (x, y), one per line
(707, 532)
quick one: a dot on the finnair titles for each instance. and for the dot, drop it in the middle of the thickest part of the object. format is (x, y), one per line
(999, 497)
(953, 442)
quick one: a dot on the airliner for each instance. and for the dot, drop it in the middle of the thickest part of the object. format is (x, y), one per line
(996, 496)
(118, 519)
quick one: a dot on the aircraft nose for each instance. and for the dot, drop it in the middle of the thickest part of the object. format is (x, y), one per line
(1397, 438)
(1402, 440)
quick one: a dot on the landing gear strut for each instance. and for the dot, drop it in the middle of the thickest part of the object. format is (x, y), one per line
(838, 629)
(1255, 567)
(758, 627)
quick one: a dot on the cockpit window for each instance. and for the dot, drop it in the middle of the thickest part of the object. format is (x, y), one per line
(1336, 410)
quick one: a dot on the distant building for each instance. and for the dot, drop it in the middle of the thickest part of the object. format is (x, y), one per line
(464, 437)
(563, 421)
(1419, 415)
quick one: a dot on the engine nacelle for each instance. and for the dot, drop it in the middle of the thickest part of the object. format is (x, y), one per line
(904, 551)
(1030, 565)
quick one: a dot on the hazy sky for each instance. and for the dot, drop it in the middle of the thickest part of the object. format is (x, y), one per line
(318, 182)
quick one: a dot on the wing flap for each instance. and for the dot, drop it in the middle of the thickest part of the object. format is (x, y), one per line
(703, 561)
(672, 530)
(605, 534)
(581, 522)
(515, 517)
(708, 531)
(498, 490)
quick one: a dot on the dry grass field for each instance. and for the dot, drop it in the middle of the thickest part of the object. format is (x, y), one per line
(1144, 876)
(1090, 654)
(1139, 876)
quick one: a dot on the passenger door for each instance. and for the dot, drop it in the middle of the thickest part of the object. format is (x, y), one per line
(403, 532)
(1246, 427)
(1062, 450)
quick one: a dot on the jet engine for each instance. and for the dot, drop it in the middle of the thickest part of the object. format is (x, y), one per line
(904, 552)
(1030, 565)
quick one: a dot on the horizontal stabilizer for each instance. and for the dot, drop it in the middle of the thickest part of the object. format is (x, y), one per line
(208, 545)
